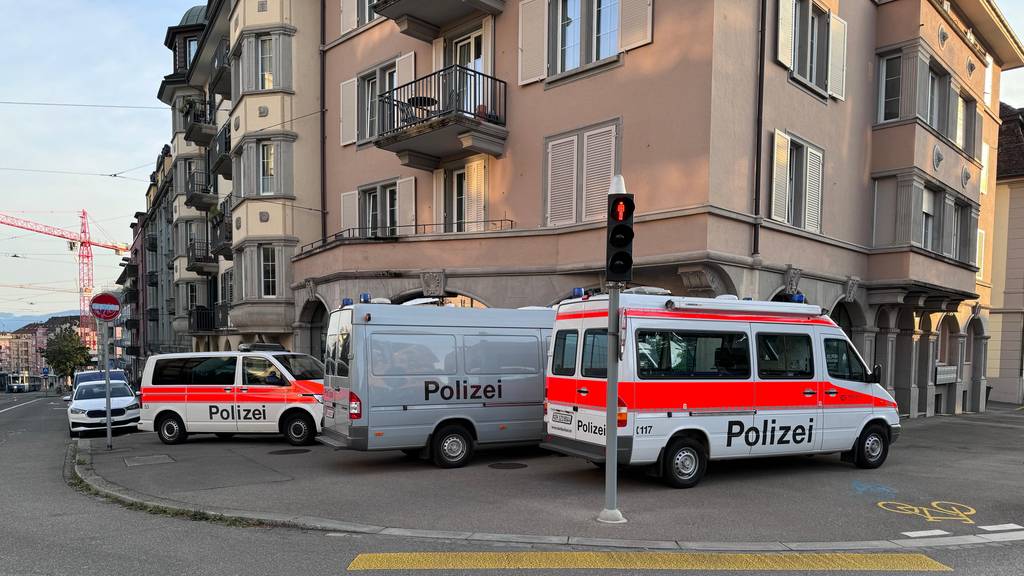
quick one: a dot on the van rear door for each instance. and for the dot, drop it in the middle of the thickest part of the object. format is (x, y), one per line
(561, 381)
(337, 371)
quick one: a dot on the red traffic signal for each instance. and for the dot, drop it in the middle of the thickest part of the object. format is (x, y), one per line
(621, 208)
(619, 255)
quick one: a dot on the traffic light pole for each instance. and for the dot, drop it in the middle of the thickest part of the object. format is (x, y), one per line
(611, 514)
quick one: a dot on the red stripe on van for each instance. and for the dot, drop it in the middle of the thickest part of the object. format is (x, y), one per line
(725, 316)
(579, 315)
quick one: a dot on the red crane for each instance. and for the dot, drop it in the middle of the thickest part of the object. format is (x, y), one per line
(84, 242)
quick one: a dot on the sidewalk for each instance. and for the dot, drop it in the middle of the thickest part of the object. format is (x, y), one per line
(965, 459)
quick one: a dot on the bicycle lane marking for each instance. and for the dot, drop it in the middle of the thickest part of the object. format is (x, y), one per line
(937, 511)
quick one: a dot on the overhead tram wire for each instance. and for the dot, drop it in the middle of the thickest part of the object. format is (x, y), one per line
(81, 105)
(70, 173)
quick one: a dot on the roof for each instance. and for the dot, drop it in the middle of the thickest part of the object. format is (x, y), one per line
(990, 24)
(400, 316)
(50, 324)
(194, 15)
(1010, 163)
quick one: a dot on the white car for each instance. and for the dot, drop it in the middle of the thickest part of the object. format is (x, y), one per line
(88, 409)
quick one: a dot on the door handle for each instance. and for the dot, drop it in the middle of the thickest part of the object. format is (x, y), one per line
(245, 389)
(582, 391)
(831, 392)
(228, 389)
(809, 392)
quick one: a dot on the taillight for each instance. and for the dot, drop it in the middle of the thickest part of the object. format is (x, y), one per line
(545, 407)
(355, 406)
(621, 415)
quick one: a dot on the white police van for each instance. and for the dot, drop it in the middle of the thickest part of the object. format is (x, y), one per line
(704, 379)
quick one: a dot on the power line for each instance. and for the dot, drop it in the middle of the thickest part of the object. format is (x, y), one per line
(81, 105)
(71, 173)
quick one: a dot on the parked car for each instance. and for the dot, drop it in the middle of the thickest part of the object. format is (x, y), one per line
(97, 376)
(88, 409)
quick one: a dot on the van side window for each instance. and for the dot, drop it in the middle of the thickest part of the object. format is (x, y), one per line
(331, 346)
(174, 371)
(692, 355)
(341, 358)
(595, 354)
(842, 362)
(502, 354)
(785, 356)
(412, 354)
(563, 359)
(218, 371)
(260, 372)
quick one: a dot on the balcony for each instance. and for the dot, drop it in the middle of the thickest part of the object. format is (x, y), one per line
(131, 324)
(201, 320)
(220, 152)
(130, 295)
(131, 350)
(424, 20)
(200, 260)
(452, 113)
(151, 242)
(220, 230)
(152, 279)
(220, 70)
(198, 193)
(221, 312)
(152, 314)
(199, 122)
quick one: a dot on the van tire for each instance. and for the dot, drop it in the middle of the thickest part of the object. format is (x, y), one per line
(171, 429)
(451, 446)
(684, 463)
(872, 447)
(299, 430)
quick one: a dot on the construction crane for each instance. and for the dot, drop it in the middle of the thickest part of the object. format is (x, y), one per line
(84, 242)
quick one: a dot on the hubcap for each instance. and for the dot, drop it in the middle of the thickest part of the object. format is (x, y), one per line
(170, 429)
(685, 463)
(453, 447)
(298, 429)
(873, 447)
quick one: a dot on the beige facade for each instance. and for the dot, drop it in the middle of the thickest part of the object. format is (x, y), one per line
(469, 146)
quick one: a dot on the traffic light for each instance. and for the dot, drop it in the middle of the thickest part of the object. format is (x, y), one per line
(619, 263)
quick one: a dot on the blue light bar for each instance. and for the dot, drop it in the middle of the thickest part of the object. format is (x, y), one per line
(364, 298)
(577, 292)
(346, 301)
(798, 298)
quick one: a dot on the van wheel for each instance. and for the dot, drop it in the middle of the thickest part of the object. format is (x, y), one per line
(872, 447)
(685, 463)
(299, 430)
(171, 430)
(451, 447)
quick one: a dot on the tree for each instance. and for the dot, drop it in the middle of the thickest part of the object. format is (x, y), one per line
(65, 352)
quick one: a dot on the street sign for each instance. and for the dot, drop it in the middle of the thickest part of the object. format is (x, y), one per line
(105, 306)
(46, 370)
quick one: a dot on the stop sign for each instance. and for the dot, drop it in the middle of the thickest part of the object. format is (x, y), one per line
(105, 306)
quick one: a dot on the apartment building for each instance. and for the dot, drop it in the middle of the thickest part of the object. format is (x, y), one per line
(844, 157)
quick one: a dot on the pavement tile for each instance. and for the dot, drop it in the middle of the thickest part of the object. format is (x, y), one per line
(941, 541)
(749, 546)
(1004, 536)
(851, 545)
(519, 538)
(617, 543)
(441, 534)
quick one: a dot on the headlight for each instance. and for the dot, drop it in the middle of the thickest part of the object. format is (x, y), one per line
(133, 406)
(77, 411)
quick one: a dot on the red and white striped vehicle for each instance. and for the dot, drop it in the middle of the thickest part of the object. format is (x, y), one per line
(704, 379)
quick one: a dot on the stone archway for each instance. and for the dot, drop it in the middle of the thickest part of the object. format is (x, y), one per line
(455, 298)
(312, 328)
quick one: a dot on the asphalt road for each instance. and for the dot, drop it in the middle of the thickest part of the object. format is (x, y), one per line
(47, 527)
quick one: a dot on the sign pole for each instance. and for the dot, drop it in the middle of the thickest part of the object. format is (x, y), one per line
(611, 513)
(106, 378)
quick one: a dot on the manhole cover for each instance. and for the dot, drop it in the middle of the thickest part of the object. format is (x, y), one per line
(507, 465)
(289, 451)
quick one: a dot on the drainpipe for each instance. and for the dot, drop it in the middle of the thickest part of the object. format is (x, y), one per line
(323, 124)
(755, 249)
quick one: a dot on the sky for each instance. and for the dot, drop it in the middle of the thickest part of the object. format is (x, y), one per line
(104, 52)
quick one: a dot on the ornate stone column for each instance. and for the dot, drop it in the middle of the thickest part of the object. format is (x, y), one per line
(863, 338)
(979, 367)
(906, 385)
(887, 340)
(955, 402)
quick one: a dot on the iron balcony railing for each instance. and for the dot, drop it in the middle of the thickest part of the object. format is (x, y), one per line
(199, 254)
(201, 319)
(220, 69)
(151, 244)
(220, 151)
(455, 90)
(196, 111)
(221, 312)
(152, 279)
(199, 194)
(220, 230)
(390, 233)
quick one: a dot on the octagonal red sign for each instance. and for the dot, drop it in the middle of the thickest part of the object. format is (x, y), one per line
(105, 306)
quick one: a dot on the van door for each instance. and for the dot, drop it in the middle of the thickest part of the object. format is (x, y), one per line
(787, 391)
(262, 395)
(560, 387)
(337, 371)
(847, 400)
(211, 393)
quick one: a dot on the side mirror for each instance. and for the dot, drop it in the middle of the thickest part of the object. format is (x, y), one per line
(66, 398)
(876, 375)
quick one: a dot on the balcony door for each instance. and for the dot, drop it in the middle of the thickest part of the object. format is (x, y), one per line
(468, 52)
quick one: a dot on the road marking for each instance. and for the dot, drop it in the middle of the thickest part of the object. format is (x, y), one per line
(924, 533)
(20, 405)
(793, 561)
(935, 512)
(998, 527)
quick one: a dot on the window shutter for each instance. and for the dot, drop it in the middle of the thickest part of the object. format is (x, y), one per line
(784, 48)
(923, 80)
(780, 178)
(476, 196)
(281, 283)
(985, 150)
(438, 53)
(251, 167)
(406, 205)
(533, 40)
(283, 61)
(283, 168)
(348, 106)
(562, 181)
(405, 69)
(598, 169)
(349, 16)
(952, 106)
(487, 32)
(977, 139)
(350, 214)
(837, 58)
(635, 23)
(812, 201)
(439, 206)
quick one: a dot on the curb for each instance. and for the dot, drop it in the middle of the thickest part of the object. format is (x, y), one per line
(81, 455)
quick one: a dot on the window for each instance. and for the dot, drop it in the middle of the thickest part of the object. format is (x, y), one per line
(301, 366)
(980, 255)
(370, 97)
(502, 354)
(266, 56)
(266, 168)
(216, 371)
(412, 354)
(380, 210)
(606, 28)
(960, 137)
(343, 345)
(261, 5)
(458, 202)
(258, 371)
(366, 13)
(810, 43)
(191, 45)
(957, 222)
(928, 220)
(595, 354)
(174, 371)
(890, 74)
(268, 271)
(784, 356)
(575, 195)
(797, 182)
(191, 295)
(582, 32)
(937, 85)
(843, 362)
(672, 354)
(371, 87)
(563, 358)
(569, 34)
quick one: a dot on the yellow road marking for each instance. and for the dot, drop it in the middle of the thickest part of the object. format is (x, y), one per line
(938, 511)
(846, 561)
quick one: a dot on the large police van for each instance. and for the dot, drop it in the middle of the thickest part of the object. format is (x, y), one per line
(704, 379)
(434, 381)
(225, 393)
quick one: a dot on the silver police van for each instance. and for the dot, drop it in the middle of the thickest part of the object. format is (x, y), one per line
(434, 381)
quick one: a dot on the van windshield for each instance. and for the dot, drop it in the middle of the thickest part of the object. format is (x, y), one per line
(301, 366)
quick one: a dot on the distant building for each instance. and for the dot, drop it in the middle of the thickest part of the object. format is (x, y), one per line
(22, 350)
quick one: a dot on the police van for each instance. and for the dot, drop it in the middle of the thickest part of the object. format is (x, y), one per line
(225, 393)
(705, 379)
(434, 381)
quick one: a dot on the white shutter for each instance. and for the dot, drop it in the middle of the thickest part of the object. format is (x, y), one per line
(476, 196)
(985, 150)
(635, 23)
(438, 202)
(405, 69)
(784, 47)
(562, 181)
(350, 213)
(837, 58)
(487, 33)
(349, 16)
(812, 202)
(780, 178)
(533, 40)
(406, 205)
(349, 111)
(598, 169)
(438, 53)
